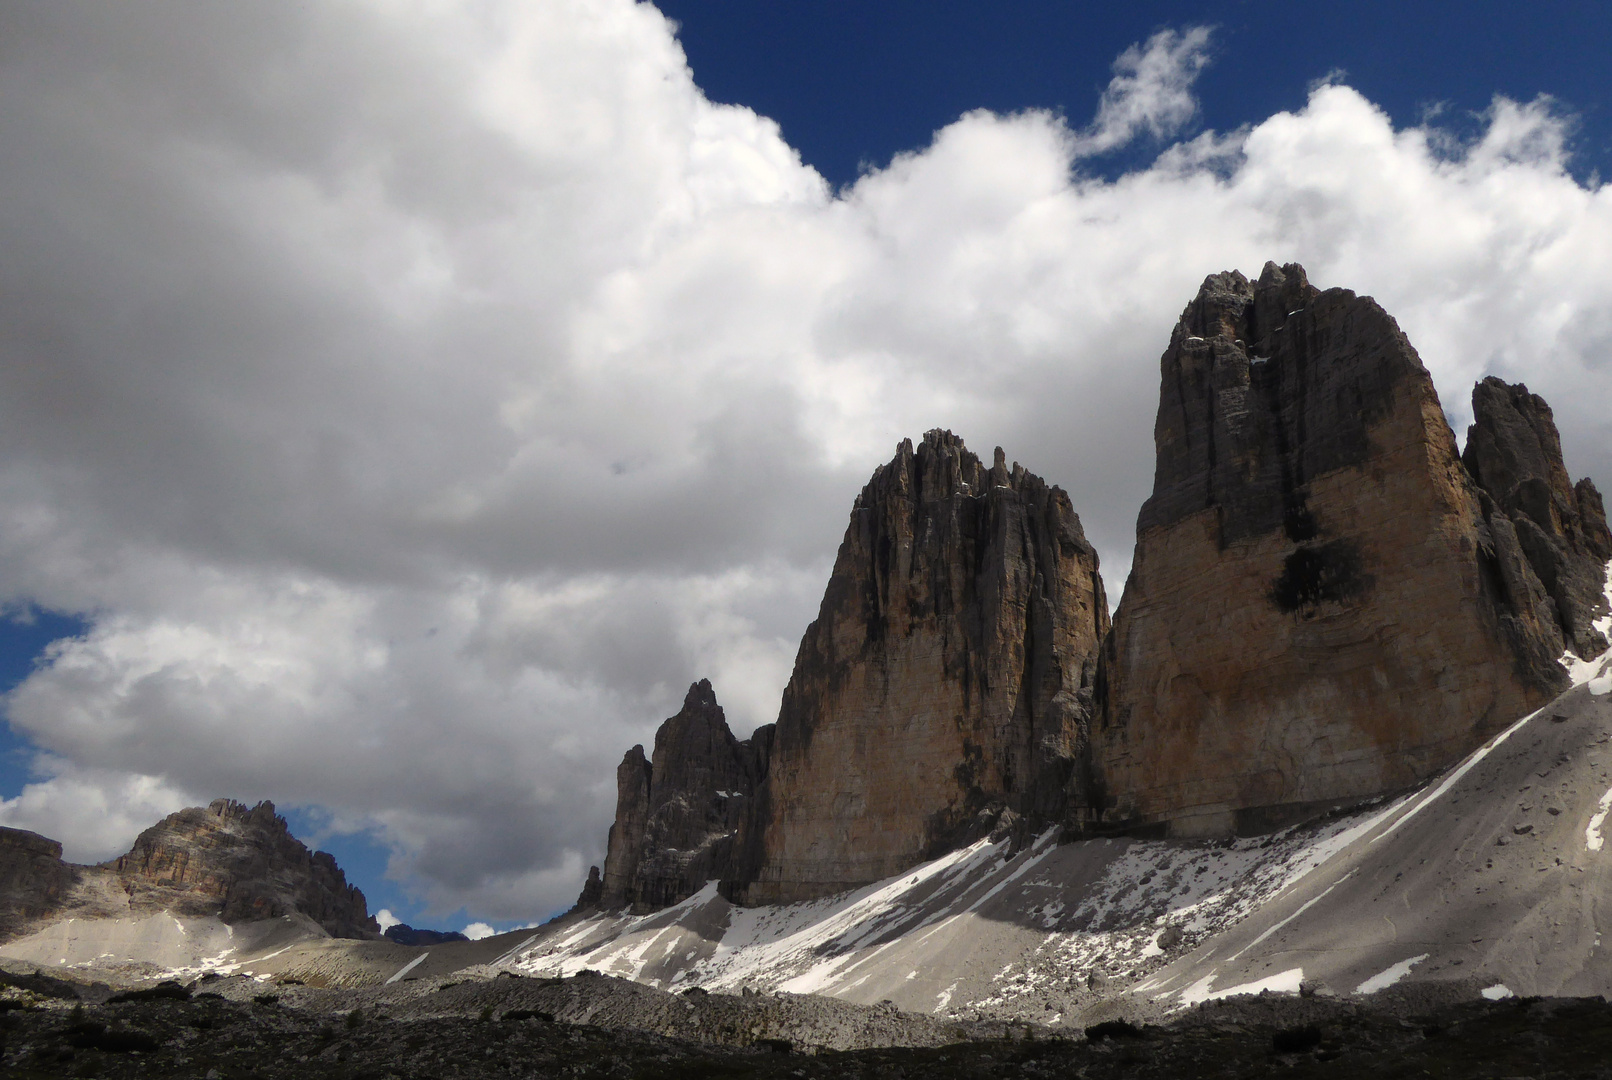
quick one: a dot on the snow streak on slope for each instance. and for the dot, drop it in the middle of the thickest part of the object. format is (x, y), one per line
(980, 931)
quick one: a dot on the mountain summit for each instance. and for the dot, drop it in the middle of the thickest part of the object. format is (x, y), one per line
(1327, 603)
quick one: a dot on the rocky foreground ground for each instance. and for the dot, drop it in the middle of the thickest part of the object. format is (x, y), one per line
(223, 1029)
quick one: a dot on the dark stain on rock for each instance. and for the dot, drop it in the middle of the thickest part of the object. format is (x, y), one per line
(1319, 574)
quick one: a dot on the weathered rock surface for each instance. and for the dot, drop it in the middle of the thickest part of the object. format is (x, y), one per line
(33, 878)
(1320, 609)
(1515, 454)
(677, 815)
(237, 862)
(948, 678)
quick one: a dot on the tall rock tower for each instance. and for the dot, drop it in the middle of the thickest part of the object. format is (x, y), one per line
(1324, 604)
(949, 677)
(1515, 455)
(677, 815)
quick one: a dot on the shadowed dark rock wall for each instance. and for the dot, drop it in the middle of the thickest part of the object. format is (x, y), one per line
(677, 816)
(1515, 454)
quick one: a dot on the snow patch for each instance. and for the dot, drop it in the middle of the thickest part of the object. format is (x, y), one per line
(1389, 976)
(1286, 982)
(1497, 992)
(1592, 834)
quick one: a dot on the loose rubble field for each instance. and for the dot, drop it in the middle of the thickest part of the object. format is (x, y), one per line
(226, 1029)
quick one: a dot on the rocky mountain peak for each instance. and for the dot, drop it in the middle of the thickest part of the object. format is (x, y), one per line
(947, 680)
(230, 860)
(1327, 603)
(1514, 453)
(677, 814)
(240, 863)
(1320, 606)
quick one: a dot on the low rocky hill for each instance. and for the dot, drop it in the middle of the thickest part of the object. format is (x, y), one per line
(229, 861)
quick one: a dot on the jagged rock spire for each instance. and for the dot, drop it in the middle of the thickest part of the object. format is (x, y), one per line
(948, 677)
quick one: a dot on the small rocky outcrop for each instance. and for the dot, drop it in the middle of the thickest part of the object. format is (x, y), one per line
(677, 814)
(237, 862)
(947, 680)
(1324, 605)
(1514, 453)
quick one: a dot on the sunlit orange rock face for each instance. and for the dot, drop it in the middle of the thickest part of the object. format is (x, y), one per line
(1320, 608)
(946, 684)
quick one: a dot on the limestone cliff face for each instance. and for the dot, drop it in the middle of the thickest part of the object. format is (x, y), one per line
(34, 880)
(677, 814)
(948, 677)
(230, 860)
(625, 845)
(1515, 454)
(1319, 608)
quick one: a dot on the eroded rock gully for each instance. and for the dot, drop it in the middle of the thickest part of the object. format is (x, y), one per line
(1327, 602)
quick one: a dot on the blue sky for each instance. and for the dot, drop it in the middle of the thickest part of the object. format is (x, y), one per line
(400, 408)
(853, 82)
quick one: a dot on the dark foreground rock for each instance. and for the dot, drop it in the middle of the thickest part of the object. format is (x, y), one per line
(208, 1035)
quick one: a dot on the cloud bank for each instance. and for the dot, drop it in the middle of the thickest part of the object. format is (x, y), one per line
(416, 399)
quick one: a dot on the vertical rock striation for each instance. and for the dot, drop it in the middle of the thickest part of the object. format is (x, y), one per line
(1319, 608)
(34, 881)
(948, 678)
(677, 815)
(1515, 454)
